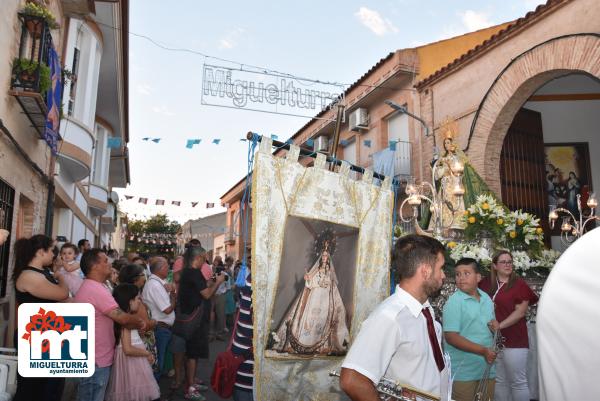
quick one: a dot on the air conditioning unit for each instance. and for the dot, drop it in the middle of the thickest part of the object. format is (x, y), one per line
(359, 119)
(321, 144)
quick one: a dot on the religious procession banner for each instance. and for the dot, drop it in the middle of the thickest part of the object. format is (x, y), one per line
(320, 264)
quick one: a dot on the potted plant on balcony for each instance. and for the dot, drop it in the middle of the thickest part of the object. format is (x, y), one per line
(25, 75)
(32, 9)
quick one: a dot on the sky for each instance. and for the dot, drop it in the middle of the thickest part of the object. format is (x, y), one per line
(335, 41)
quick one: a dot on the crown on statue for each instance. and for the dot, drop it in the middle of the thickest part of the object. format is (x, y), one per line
(326, 241)
(449, 129)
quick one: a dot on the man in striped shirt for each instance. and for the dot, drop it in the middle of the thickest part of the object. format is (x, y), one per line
(242, 345)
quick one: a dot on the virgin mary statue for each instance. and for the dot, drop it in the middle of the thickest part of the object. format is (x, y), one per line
(453, 208)
(315, 324)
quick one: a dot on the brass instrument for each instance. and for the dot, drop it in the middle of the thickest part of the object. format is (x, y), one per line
(482, 386)
(390, 390)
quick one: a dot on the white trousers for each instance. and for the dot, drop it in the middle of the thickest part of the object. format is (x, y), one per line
(511, 375)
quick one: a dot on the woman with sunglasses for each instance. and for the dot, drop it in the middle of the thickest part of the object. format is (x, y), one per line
(512, 296)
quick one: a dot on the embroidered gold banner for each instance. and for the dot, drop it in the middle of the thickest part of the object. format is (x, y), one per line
(320, 264)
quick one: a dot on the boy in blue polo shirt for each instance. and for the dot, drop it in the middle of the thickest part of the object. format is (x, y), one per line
(468, 321)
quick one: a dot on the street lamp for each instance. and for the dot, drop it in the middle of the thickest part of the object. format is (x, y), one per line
(417, 193)
(572, 228)
(404, 110)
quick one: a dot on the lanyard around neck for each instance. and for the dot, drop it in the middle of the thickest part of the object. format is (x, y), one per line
(497, 290)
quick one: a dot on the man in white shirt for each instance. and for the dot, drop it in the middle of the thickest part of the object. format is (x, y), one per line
(400, 340)
(567, 315)
(160, 298)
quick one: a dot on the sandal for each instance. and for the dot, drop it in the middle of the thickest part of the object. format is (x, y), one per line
(194, 395)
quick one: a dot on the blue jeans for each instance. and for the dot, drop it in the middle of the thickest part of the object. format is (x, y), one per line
(93, 388)
(163, 337)
(242, 395)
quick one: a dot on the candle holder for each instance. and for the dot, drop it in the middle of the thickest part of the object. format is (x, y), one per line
(429, 193)
(571, 227)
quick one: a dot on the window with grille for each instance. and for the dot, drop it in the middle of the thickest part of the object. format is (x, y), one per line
(7, 201)
(73, 88)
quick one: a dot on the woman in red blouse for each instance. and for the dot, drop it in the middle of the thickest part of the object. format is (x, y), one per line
(512, 296)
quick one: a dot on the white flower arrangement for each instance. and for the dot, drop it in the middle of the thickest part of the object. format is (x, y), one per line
(547, 258)
(522, 227)
(487, 206)
(486, 214)
(521, 262)
(466, 250)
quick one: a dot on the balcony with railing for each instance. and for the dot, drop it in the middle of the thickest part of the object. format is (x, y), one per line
(98, 199)
(401, 160)
(229, 238)
(76, 148)
(30, 78)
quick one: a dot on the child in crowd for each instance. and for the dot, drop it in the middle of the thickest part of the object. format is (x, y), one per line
(70, 267)
(469, 322)
(131, 376)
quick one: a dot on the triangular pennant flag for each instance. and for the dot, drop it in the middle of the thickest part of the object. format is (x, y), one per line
(194, 204)
(143, 200)
(367, 143)
(176, 203)
(310, 143)
(274, 137)
(160, 202)
(113, 142)
(145, 139)
(216, 141)
(210, 205)
(189, 144)
(393, 145)
(127, 197)
(156, 140)
(197, 141)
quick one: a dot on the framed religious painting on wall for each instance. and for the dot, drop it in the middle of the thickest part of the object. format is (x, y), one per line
(313, 305)
(568, 174)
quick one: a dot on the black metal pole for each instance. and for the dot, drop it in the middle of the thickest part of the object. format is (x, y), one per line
(311, 153)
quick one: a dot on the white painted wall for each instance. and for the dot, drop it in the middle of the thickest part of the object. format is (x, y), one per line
(80, 201)
(64, 219)
(79, 230)
(82, 37)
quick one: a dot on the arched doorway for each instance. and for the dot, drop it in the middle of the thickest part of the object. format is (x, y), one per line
(517, 83)
(541, 90)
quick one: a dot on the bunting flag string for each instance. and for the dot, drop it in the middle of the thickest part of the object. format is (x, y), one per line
(163, 202)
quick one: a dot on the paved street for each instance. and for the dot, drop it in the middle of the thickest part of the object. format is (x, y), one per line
(204, 371)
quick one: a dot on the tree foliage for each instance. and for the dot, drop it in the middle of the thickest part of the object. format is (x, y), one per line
(157, 224)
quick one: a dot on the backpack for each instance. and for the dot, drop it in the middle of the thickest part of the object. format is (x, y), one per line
(226, 366)
(224, 373)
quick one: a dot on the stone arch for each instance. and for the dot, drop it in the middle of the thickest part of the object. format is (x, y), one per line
(516, 83)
